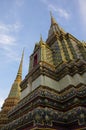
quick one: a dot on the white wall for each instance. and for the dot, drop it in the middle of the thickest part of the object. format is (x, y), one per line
(57, 85)
(46, 81)
(26, 91)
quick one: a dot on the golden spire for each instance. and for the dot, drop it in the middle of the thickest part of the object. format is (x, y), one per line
(53, 21)
(13, 97)
(15, 89)
(19, 74)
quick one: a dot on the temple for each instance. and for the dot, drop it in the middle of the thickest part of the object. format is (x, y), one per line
(53, 93)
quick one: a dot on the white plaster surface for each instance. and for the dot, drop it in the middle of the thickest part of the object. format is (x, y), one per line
(57, 85)
(25, 92)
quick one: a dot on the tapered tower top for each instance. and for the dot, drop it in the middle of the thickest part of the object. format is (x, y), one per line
(53, 21)
(41, 42)
(15, 90)
(19, 74)
(13, 97)
(54, 28)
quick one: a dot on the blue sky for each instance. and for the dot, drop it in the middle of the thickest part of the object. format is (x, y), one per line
(22, 22)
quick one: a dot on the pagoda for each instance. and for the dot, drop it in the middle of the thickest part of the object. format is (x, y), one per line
(13, 97)
(53, 93)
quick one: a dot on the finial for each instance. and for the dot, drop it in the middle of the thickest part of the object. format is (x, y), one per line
(50, 13)
(19, 74)
(41, 40)
(53, 21)
(23, 53)
(41, 37)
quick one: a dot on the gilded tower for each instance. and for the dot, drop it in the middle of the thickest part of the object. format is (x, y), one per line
(53, 93)
(13, 97)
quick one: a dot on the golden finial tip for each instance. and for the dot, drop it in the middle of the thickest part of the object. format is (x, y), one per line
(41, 37)
(23, 51)
(50, 13)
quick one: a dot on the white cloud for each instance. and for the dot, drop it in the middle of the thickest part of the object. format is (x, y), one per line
(3, 28)
(8, 40)
(17, 26)
(82, 8)
(61, 12)
(12, 55)
(7, 28)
